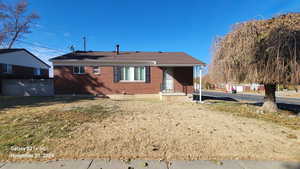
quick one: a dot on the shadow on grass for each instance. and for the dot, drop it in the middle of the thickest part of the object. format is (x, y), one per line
(34, 101)
(218, 98)
(31, 128)
(289, 166)
(295, 109)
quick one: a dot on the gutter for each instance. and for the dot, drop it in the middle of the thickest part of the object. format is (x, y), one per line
(178, 65)
(90, 62)
(102, 63)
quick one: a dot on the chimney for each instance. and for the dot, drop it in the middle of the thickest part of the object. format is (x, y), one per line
(118, 49)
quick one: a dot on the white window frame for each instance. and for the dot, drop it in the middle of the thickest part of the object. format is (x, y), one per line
(37, 71)
(81, 70)
(132, 74)
(8, 68)
(96, 70)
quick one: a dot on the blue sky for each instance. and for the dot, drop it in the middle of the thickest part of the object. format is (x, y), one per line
(142, 25)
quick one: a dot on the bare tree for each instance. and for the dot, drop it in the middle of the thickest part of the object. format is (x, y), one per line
(260, 51)
(15, 22)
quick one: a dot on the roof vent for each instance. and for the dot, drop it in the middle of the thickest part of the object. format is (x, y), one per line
(160, 52)
(137, 51)
(118, 49)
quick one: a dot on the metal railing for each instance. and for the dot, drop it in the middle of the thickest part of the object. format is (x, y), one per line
(163, 89)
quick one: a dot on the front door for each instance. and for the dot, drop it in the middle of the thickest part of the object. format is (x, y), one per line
(168, 80)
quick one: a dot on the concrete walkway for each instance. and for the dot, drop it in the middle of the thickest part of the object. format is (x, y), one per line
(151, 164)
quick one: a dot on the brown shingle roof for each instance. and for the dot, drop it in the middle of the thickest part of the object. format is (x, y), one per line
(158, 57)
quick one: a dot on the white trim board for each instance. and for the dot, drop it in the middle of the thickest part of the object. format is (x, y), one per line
(117, 63)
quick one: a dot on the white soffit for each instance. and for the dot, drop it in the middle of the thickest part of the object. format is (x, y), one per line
(21, 58)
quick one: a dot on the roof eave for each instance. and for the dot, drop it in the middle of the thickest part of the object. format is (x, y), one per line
(37, 58)
(120, 62)
(102, 62)
(181, 65)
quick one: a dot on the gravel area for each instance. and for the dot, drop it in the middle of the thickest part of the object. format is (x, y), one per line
(149, 129)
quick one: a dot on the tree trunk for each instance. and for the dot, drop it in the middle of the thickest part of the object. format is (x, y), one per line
(11, 43)
(270, 99)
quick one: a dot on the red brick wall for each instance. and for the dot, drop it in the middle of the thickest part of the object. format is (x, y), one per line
(183, 79)
(65, 82)
(22, 71)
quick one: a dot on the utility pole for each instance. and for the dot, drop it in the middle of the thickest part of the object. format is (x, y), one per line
(84, 43)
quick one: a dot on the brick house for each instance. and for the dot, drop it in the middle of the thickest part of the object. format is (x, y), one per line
(20, 63)
(118, 72)
(17, 67)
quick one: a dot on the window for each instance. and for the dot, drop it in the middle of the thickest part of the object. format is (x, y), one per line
(133, 73)
(37, 71)
(96, 70)
(7, 68)
(139, 73)
(78, 69)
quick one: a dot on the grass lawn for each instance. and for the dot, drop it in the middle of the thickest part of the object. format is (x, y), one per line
(29, 121)
(86, 127)
(244, 109)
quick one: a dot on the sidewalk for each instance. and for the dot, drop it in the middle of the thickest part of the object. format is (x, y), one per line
(151, 164)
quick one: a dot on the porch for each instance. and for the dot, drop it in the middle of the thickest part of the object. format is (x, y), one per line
(181, 82)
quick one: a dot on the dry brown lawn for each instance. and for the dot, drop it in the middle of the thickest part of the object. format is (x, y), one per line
(147, 129)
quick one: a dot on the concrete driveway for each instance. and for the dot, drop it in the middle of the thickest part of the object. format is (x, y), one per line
(145, 164)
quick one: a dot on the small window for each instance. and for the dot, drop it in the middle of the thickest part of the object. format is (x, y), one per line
(7, 68)
(96, 70)
(37, 71)
(78, 69)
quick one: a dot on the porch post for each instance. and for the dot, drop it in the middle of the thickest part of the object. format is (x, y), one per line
(194, 79)
(200, 85)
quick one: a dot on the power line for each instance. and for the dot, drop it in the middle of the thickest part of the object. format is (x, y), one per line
(42, 46)
(59, 34)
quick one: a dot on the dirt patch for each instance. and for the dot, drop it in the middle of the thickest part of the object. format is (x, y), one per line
(187, 131)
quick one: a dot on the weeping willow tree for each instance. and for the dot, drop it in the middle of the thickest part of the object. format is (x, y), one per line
(260, 51)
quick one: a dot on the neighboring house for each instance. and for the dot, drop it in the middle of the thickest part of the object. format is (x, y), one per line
(124, 72)
(20, 72)
(20, 63)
